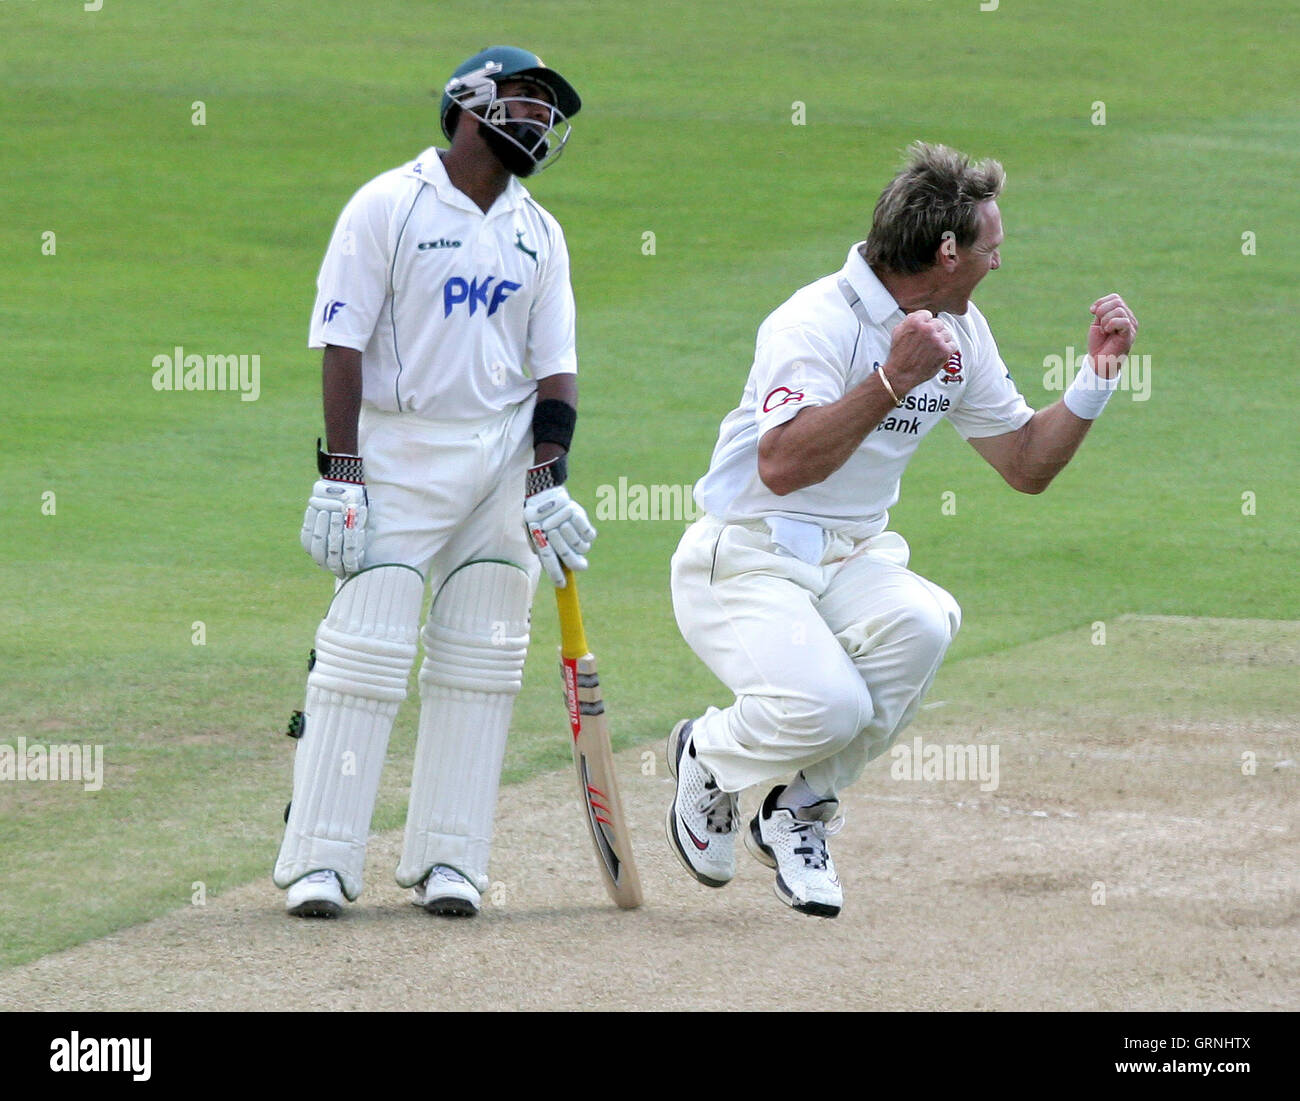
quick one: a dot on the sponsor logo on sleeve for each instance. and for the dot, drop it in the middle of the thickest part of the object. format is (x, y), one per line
(331, 311)
(780, 396)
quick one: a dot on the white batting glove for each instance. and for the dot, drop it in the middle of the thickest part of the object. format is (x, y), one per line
(558, 526)
(334, 525)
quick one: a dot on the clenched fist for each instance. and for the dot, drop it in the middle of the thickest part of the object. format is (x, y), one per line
(921, 346)
(1111, 334)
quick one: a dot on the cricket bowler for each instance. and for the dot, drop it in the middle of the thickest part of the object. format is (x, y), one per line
(446, 315)
(790, 587)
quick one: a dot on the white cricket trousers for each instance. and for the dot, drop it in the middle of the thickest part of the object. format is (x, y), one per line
(828, 662)
(441, 494)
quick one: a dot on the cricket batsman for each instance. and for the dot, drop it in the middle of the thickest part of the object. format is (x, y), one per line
(446, 316)
(790, 587)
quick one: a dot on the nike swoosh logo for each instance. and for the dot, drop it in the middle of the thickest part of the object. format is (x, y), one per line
(701, 845)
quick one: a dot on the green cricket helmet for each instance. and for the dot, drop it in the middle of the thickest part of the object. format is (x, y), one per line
(523, 145)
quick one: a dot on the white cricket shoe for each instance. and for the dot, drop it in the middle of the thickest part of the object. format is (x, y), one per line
(794, 843)
(702, 819)
(316, 895)
(445, 891)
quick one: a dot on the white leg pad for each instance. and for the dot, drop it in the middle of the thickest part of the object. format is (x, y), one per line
(364, 650)
(475, 642)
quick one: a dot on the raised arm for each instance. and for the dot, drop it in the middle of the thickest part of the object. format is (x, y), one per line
(1030, 457)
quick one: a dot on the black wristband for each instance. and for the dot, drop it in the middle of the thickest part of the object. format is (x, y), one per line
(339, 468)
(546, 476)
(553, 422)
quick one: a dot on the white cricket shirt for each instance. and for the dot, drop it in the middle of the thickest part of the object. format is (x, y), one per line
(813, 349)
(456, 312)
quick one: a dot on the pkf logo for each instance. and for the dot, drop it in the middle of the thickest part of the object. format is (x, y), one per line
(782, 395)
(331, 310)
(952, 369)
(456, 290)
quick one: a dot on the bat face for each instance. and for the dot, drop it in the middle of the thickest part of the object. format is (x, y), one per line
(594, 762)
(602, 828)
(592, 756)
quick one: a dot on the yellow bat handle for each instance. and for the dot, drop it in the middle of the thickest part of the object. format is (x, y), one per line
(573, 639)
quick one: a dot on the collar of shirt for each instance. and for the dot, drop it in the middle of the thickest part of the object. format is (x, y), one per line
(428, 167)
(878, 302)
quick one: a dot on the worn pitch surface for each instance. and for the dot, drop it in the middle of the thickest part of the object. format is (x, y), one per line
(1130, 863)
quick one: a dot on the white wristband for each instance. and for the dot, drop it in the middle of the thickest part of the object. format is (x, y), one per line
(1089, 392)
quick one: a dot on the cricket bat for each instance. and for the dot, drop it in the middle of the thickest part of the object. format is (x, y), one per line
(592, 756)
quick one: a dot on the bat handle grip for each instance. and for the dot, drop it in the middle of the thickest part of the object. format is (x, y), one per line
(573, 639)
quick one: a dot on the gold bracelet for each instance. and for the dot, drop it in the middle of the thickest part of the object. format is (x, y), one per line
(898, 404)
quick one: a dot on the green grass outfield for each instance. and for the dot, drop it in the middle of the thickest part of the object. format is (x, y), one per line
(171, 509)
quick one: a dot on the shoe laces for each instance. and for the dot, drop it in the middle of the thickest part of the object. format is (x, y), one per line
(814, 834)
(720, 808)
(450, 874)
